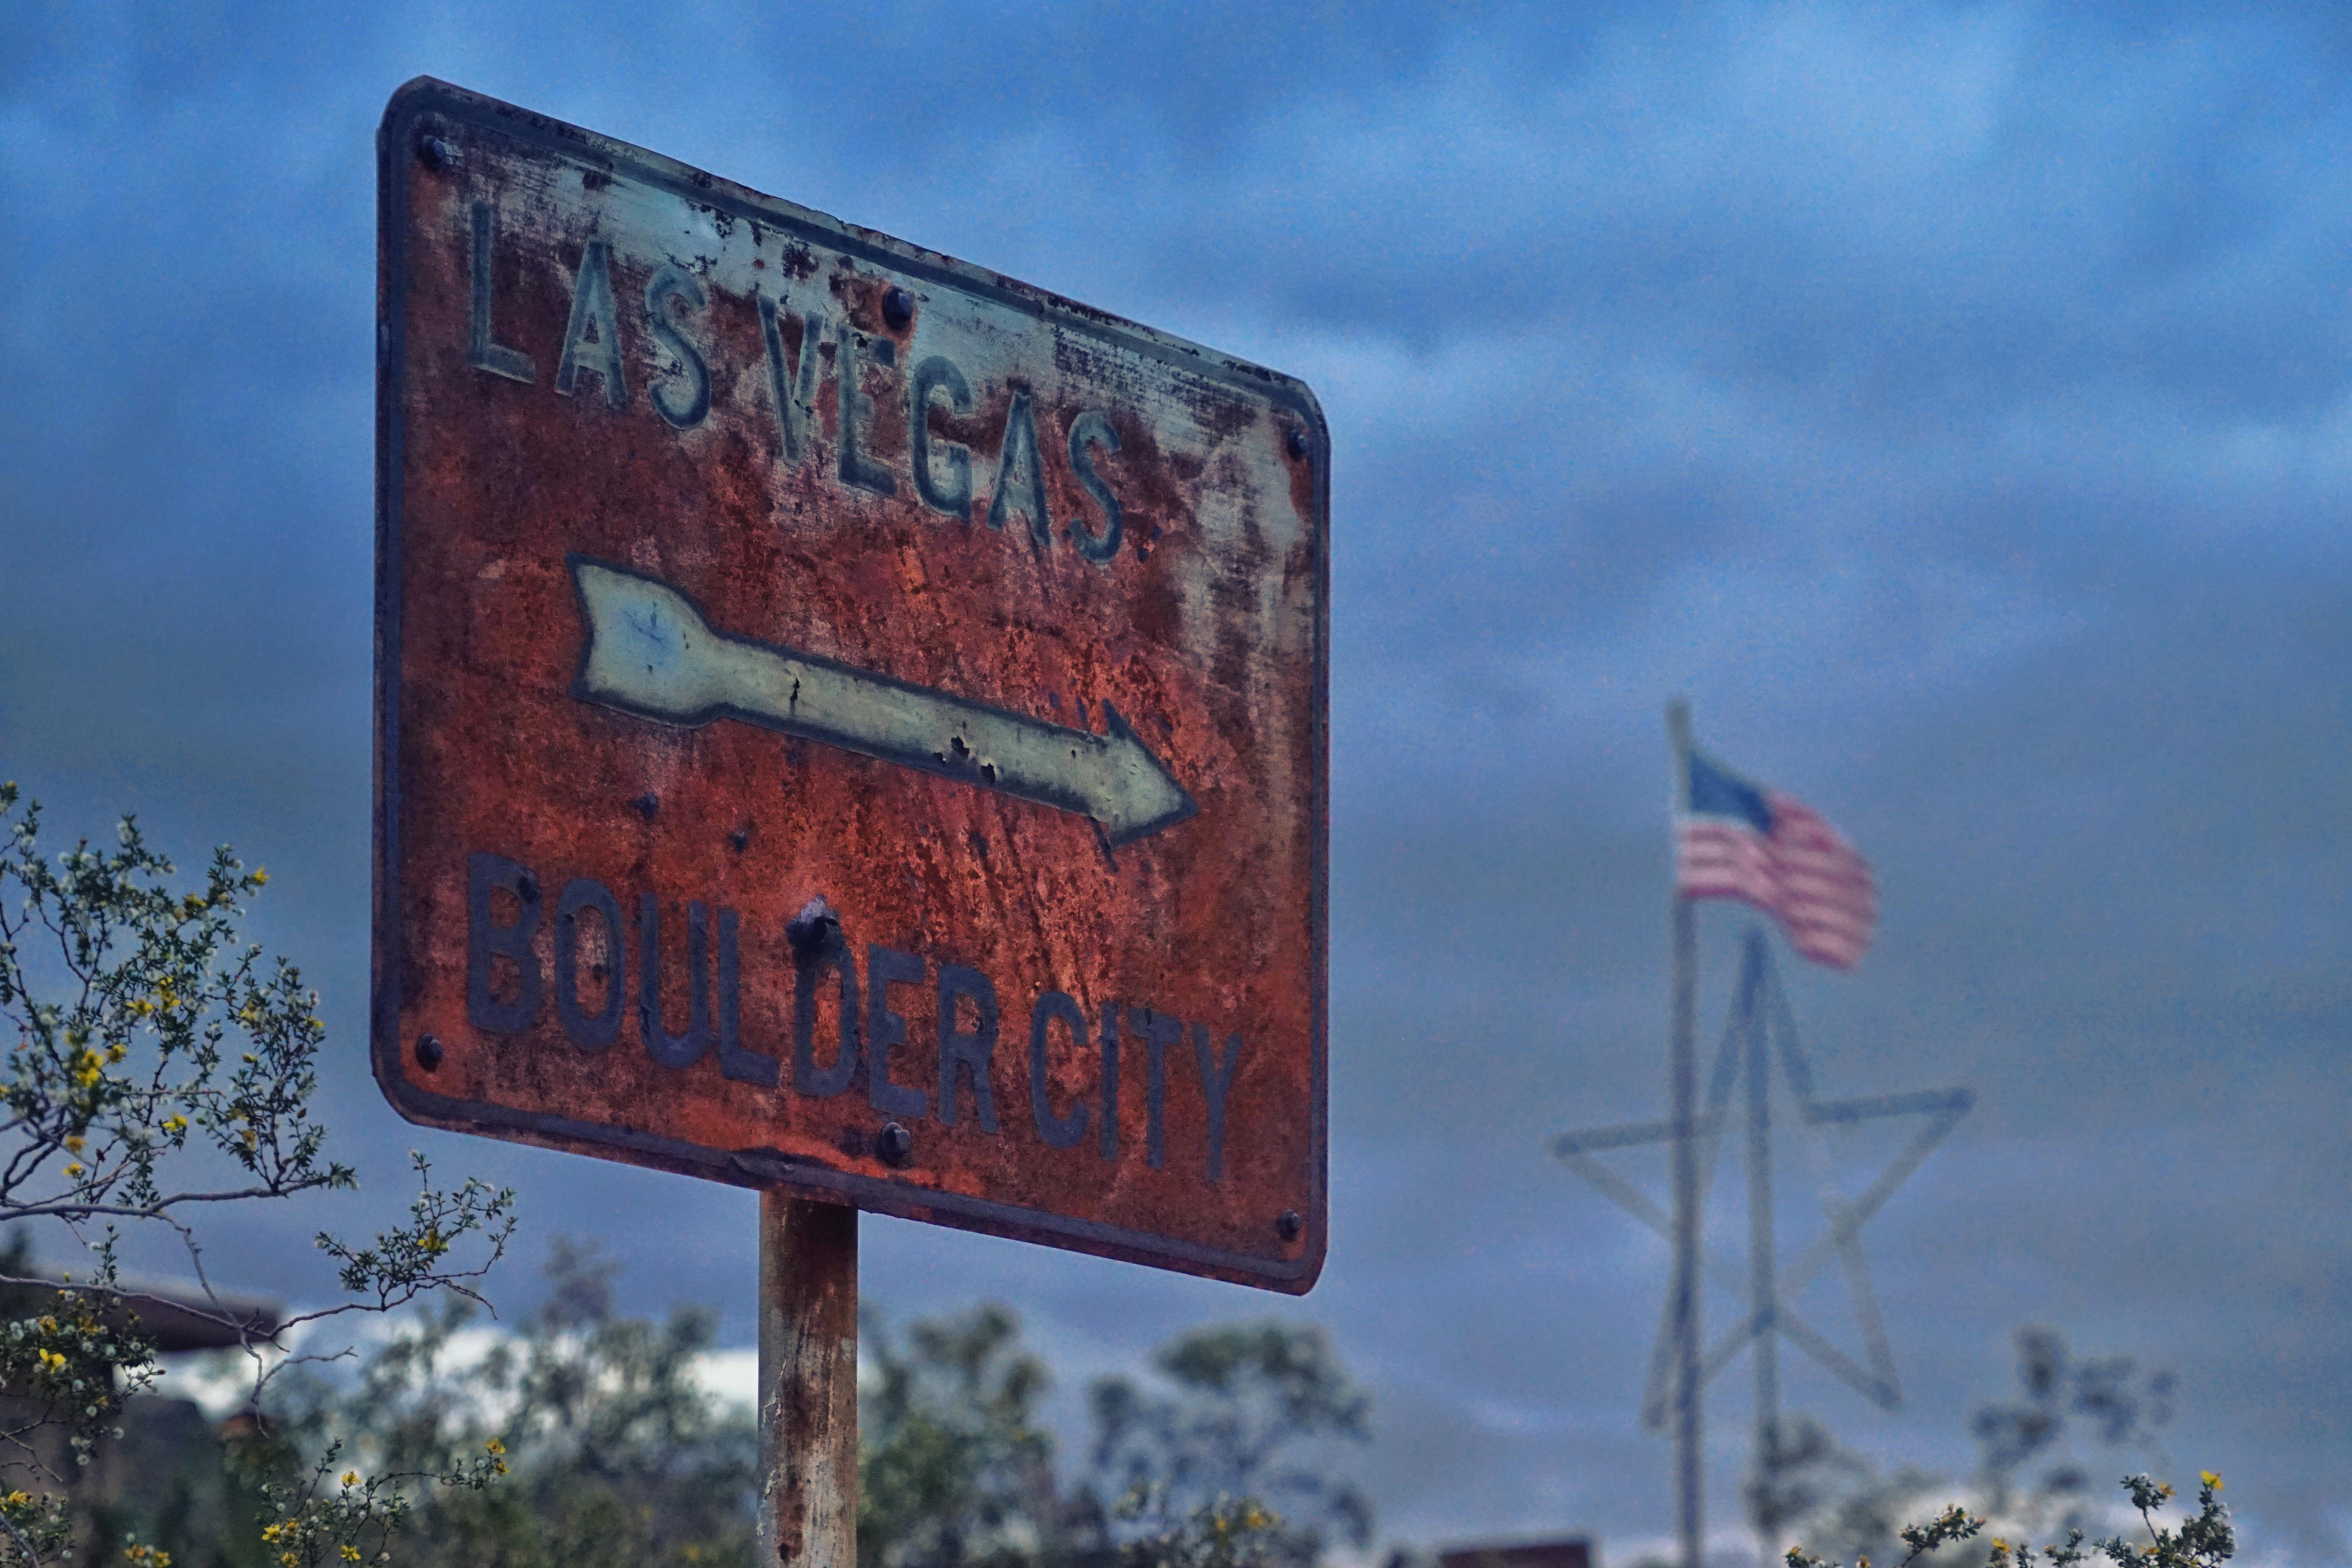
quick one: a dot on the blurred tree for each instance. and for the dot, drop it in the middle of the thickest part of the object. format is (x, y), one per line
(2120, 1406)
(953, 1469)
(1800, 1470)
(1240, 1428)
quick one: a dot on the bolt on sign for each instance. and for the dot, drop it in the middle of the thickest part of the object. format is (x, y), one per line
(847, 723)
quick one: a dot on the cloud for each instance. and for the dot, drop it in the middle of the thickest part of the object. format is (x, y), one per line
(1951, 399)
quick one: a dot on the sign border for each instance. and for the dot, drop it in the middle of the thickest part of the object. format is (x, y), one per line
(398, 135)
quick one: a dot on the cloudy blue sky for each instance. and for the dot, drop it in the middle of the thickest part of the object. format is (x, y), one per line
(1954, 401)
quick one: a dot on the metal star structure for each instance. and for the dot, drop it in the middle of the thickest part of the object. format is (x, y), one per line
(1761, 1029)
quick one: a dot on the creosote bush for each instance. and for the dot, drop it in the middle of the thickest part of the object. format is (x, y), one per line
(2071, 1417)
(2201, 1539)
(612, 1453)
(159, 1077)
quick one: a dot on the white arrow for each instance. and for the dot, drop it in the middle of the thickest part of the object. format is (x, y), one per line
(651, 653)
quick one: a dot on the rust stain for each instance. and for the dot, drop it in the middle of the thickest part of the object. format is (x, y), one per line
(1203, 629)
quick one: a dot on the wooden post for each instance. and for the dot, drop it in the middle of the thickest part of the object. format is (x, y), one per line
(808, 1383)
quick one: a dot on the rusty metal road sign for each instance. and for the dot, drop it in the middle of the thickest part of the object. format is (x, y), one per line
(847, 723)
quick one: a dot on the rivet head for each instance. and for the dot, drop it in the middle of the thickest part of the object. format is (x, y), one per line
(893, 1143)
(897, 308)
(1290, 1225)
(1294, 440)
(428, 1051)
(435, 153)
(816, 930)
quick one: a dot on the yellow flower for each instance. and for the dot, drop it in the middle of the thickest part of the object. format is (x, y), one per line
(261, 876)
(272, 1532)
(115, 1053)
(51, 1361)
(351, 1478)
(176, 1125)
(494, 1447)
(73, 1170)
(16, 1498)
(351, 1554)
(73, 1144)
(2209, 1478)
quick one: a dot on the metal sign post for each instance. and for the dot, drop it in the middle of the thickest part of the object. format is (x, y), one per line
(849, 724)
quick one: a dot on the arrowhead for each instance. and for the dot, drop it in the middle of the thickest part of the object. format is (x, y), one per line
(647, 648)
(1140, 796)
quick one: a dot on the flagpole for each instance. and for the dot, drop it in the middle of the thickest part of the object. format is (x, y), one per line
(1683, 1082)
(1763, 1279)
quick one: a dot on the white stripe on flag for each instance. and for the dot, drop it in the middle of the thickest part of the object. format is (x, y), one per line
(1804, 875)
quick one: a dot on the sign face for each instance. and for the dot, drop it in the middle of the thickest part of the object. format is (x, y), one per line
(846, 721)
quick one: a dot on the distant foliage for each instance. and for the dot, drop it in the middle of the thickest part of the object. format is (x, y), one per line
(953, 1467)
(1231, 1439)
(159, 1077)
(2109, 1396)
(2033, 1473)
(1803, 1476)
(1212, 1460)
(615, 1455)
(2202, 1540)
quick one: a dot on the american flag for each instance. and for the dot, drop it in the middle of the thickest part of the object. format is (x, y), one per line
(1736, 839)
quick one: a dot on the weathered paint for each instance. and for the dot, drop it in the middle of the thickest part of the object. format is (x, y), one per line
(879, 570)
